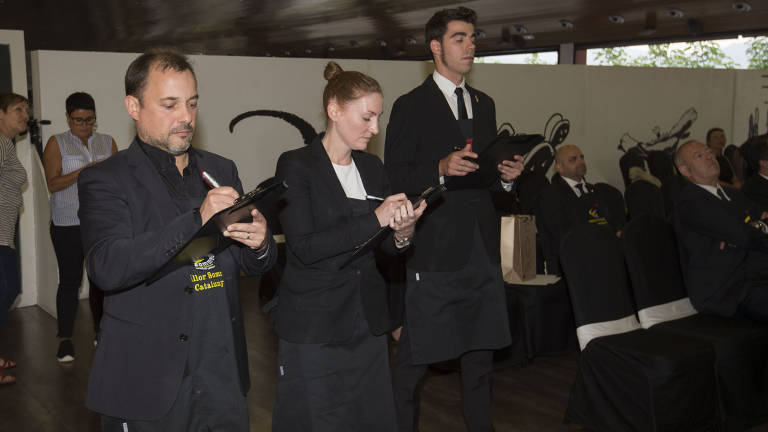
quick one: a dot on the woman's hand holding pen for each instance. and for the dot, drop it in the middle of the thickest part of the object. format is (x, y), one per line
(404, 220)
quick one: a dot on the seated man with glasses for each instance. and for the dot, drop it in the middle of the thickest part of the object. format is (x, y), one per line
(65, 156)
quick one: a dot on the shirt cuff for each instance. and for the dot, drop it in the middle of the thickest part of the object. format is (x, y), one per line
(264, 251)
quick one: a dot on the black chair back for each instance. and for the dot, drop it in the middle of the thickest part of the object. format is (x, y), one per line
(653, 261)
(593, 264)
(644, 198)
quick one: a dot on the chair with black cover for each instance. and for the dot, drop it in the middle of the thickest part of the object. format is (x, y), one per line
(644, 197)
(741, 347)
(629, 379)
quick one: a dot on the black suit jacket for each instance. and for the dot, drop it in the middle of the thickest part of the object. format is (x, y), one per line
(560, 209)
(718, 279)
(130, 227)
(422, 130)
(317, 298)
(756, 189)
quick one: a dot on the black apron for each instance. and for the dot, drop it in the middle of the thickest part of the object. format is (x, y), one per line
(336, 386)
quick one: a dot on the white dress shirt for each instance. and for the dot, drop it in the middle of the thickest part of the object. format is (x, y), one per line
(448, 88)
(572, 183)
(713, 190)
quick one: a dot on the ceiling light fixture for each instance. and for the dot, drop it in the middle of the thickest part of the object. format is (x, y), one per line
(480, 33)
(410, 40)
(616, 19)
(519, 28)
(566, 24)
(741, 6)
(308, 51)
(529, 37)
(331, 48)
(675, 13)
(381, 43)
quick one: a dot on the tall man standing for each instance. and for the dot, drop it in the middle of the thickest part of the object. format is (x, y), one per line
(455, 302)
(172, 354)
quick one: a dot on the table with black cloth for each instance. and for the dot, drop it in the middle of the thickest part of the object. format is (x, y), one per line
(540, 320)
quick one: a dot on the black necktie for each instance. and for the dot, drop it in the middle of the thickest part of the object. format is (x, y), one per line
(581, 188)
(721, 194)
(462, 107)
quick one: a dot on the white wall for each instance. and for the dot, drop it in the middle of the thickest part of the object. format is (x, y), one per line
(601, 103)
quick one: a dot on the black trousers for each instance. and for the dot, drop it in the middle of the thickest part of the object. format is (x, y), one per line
(69, 253)
(476, 369)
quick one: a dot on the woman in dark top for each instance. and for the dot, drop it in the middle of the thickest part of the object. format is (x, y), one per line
(333, 314)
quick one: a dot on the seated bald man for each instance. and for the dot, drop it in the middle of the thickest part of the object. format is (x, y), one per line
(569, 200)
(723, 242)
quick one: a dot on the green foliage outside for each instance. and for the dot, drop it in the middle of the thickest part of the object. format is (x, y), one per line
(700, 54)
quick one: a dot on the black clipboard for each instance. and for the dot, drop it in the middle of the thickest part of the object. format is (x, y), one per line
(503, 147)
(429, 195)
(209, 240)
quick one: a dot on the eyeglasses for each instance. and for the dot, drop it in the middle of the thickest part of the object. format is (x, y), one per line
(81, 121)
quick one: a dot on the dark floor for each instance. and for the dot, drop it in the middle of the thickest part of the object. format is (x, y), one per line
(50, 396)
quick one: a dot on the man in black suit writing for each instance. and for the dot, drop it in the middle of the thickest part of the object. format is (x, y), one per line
(756, 188)
(172, 353)
(724, 243)
(570, 200)
(455, 304)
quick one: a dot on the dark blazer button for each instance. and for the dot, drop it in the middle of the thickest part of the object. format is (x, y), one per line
(183, 337)
(188, 290)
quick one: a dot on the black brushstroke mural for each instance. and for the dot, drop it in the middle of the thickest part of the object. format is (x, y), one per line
(657, 153)
(307, 131)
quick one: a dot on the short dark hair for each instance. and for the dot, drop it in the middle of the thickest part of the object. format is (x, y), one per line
(713, 130)
(438, 24)
(80, 100)
(162, 59)
(8, 99)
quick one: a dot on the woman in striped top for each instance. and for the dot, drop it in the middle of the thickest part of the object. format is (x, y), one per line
(14, 114)
(65, 156)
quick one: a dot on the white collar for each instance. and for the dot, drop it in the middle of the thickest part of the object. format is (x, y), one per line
(713, 190)
(447, 86)
(572, 183)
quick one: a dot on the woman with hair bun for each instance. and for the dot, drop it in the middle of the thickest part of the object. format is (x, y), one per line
(332, 319)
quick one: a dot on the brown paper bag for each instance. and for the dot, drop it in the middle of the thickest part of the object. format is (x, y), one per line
(518, 248)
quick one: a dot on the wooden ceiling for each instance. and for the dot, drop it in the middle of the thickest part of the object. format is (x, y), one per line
(372, 29)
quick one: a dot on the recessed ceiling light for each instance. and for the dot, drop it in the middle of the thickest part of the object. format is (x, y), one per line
(308, 51)
(331, 48)
(675, 13)
(741, 6)
(480, 33)
(287, 52)
(519, 28)
(529, 37)
(410, 40)
(566, 24)
(381, 43)
(616, 19)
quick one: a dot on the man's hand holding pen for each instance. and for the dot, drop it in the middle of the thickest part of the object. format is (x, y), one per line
(253, 234)
(510, 170)
(458, 163)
